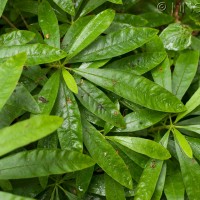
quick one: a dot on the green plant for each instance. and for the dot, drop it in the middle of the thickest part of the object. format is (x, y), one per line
(97, 102)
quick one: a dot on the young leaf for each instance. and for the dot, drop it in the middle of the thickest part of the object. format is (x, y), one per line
(99, 104)
(70, 133)
(22, 98)
(195, 128)
(9, 196)
(2, 6)
(27, 131)
(88, 33)
(190, 105)
(174, 187)
(143, 146)
(183, 143)
(141, 119)
(37, 163)
(176, 37)
(10, 73)
(48, 94)
(115, 44)
(36, 53)
(140, 90)
(105, 156)
(49, 24)
(114, 191)
(190, 170)
(162, 75)
(18, 37)
(150, 175)
(66, 5)
(184, 72)
(69, 80)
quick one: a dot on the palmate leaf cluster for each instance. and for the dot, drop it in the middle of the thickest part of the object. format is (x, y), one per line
(99, 99)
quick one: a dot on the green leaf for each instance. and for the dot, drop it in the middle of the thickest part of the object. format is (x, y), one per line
(98, 103)
(49, 24)
(18, 37)
(70, 133)
(190, 170)
(115, 44)
(143, 146)
(76, 40)
(114, 191)
(160, 183)
(122, 21)
(193, 128)
(27, 131)
(36, 53)
(193, 5)
(140, 119)
(66, 5)
(37, 163)
(48, 94)
(9, 196)
(2, 6)
(105, 156)
(69, 80)
(195, 144)
(183, 143)
(22, 98)
(138, 63)
(83, 179)
(140, 90)
(190, 105)
(174, 187)
(10, 73)
(162, 75)
(184, 72)
(156, 19)
(176, 37)
(116, 1)
(148, 180)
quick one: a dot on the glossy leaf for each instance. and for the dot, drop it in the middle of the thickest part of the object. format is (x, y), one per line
(176, 37)
(18, 37)
(66, 5)
(195, 128)
(115, 44)
(70, 133)
(105, 156)
(190, 105)
(22, 98)
(74, 41)
(162, 75)
(174, 187)
(122, 21)
(139, 63)
(98, 103)
(36, 53)
(148, 180)
(114, 191)
(96, 64)
(69, 80)
(141, 119)
(184, 72)
(195, 144)
(2, 6)
(10, 73)
(9, 196)
(140, 90)
(183, 143)
(190, 170)
(44, 162)
(48, 94)
(27, 131)
(143, 146)
(49, 24)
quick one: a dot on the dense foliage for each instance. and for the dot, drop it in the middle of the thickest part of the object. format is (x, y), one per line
(99, 99)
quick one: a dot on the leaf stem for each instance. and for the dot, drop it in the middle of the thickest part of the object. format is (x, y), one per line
(8, 21)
